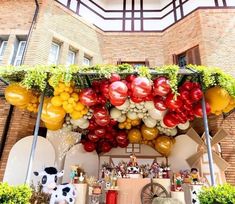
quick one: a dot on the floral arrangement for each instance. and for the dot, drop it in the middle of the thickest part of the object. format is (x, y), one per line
(147, 106)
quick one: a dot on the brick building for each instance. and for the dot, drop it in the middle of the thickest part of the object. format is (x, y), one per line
(135, 31)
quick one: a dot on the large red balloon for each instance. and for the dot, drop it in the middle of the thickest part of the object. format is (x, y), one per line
(161, 86)
(141, 87)
(104, 88)
(115, 77)
(170, 120)
(130, 78)
(121, 137)
(100, 132)
(118, 90)
(117, 102)
(159, 103)
(103, 121)
(197, 109)
(184, 94)
(105, 147)
(188, 85)
(136, 99)
(100, 112)
(196, 94)
(123, 144)
(173, 103)
(88, 97)
(93, 137)
(89, 146)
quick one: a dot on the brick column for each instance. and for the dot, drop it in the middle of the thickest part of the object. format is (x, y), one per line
(7, 58)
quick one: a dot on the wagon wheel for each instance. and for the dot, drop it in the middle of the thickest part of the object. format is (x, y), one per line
(151, 191)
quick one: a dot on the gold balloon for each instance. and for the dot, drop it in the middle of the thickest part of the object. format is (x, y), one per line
(17, 95)
(149, 133)
(54, 126)
(52, 114)
(134, 136)
(218, 98)
(163, 145)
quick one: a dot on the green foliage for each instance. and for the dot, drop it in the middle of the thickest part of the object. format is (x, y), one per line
(221, 194)
(36, 77)
(14, 194)
(212, 76)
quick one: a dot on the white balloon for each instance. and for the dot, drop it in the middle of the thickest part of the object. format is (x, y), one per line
(156, 114)
(150, 122)
(124, 106)
(149, 105)
(140, 115)
(173, 132)
(163, 125)
(115, 113)
(132, 115)
(78, 121)
(184, 126)
(84, 125)
(121, 119)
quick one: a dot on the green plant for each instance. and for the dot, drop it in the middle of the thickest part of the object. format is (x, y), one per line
(221, 194)
(14, 194)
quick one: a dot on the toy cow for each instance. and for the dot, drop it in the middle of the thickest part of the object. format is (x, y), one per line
(63, 192)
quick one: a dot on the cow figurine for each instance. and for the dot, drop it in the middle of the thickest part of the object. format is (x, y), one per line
(63, 192)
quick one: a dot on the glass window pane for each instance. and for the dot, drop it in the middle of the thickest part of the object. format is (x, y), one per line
(70, 58)
(21, 48)
(86, 61)
(54, 54)
(3, 48)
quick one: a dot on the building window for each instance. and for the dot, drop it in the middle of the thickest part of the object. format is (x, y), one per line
(86, 61)
(133, 148)
(54, 54)
(71, 58)
(2, 50)
(19, 53)
(182, 60)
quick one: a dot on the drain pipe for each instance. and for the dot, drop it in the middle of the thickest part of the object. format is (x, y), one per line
(31, 30)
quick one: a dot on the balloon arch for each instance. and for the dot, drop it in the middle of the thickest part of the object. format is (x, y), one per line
(116, 105)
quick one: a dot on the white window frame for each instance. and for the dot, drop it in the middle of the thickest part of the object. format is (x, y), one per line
(57, 53)
(85, 58)
(2, 50)
(19, 57)
(73, 59)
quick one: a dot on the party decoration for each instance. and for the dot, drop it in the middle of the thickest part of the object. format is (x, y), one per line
(197, 109)
(184, 126)
(118, 93)
(149, 133)
(115, 113)
(89, 146)
(134, 135)
(128, 123)
(33, 103)
(218, 99)
(173, 102)
(141, 87)
(54, 125)
(163, 145)
(88, 97)
(156, 114)
(17, 95)
(161, 86)
(170, 120)
(159, 103)
(150, 122)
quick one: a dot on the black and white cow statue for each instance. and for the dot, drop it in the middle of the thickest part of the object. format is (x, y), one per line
(64, 192)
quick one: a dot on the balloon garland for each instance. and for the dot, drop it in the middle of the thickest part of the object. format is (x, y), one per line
(117, 111)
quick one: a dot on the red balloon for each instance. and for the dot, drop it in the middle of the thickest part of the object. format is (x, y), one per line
(113, 122)
(121, 137)
(114, 143)
(187, 106)
(88, 97)
(188, 85)
(115, 77)
(118, 90)
(109, 136)
(136, 99)
(124, 144)
(105, 147)
(173, 103)
(117, 102)
(141, 87)
(100, 132)
(182, 117)
(148, 98)
(197, 109)
(159, 103)
(100, 112)
(103, 121)
(170, 120)
(161, 86)
(89, 146)
(93, 137)
(196, 94)
(130, 78)
(184, 94)
(104, 88)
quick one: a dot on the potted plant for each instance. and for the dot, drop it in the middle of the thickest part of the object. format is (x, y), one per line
(14, 194)
(221, 194)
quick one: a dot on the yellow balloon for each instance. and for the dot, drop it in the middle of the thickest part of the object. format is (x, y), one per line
(149, 133)
(163, 145)
(134, 136)
(76, 115)
(52, 114)
(218, 98)
(17, 95)
(54, 126)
